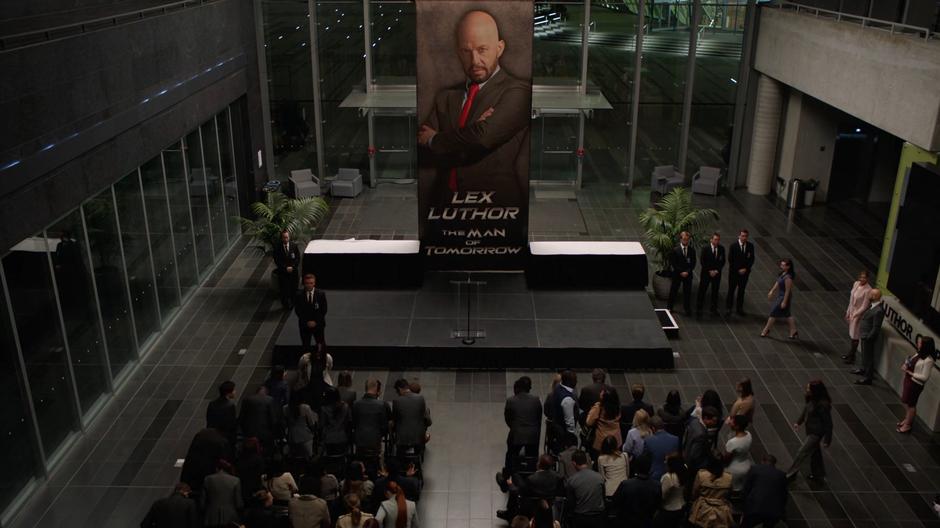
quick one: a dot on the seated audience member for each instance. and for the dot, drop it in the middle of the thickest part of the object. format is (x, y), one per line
(673, 415)
(638, 391)
(569, 445)
(591, 393)
(544, 517)
(335, 421)
(405, 476)
(523, 416)
(410, 416)
(638, 498)
(765, 494)
(301, 423)
(698, 445)
(344, 386)
(710, 490)
(221, 414)
(258, 418)
(277, 386)
(636, 437)
(604, 417)
(545, 483)
(659, 445)
(397, 511)
(329, 486)
(672, 510)
(308, 511)
(308, 476)
(250, 467)
(356, 518)
(222, 497)
(260, 511)
(738, 451)
(613, 465)
(175, 511)
(206, 449)
(357, 482)
(370, 417)
(585, 494)
(281, 483)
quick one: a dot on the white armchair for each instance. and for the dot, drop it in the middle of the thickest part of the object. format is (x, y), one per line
(347, 183)
(305, 183)
(705, 181)
(665, 178)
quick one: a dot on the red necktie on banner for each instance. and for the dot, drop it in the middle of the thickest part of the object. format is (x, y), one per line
(472, 92)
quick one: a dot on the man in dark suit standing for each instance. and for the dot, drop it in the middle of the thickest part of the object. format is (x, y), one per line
(287, 260)
(175, 511)
(310, 307)
(410, 416)
(740, 263)
(713, 261)
(591, 393)
(258, 418)
(869, 328)
(765, 494)
(523, 415)
(682, 262)
(221, 413)
(477, 131)
(370, 417)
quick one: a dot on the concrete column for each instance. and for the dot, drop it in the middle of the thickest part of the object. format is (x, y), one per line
(760, 169)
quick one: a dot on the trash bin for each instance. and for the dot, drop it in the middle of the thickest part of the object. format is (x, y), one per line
(795, 194)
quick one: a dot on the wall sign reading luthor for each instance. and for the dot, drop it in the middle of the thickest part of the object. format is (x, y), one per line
(474, 112)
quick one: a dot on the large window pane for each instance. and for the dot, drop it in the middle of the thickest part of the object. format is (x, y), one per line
(37, 324)
(79, 312)
(229, 177)
(18, 456)
(105, 249)
(393, 32)
(198, 201)
(161, 234)
(556, 50)
(213, 170)
(290, 84)
(178, 190)
(130, 208)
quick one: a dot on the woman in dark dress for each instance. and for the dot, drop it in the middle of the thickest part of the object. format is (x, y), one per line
(917, 369)
(782, 296)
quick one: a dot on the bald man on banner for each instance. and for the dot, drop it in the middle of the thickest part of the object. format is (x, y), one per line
(477, 132)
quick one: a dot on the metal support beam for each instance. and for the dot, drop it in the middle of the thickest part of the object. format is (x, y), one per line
(317, 110)
(740, 104)
(635, 99)
(689, 85)
(583, 88)
(265, 96)
(370, 120)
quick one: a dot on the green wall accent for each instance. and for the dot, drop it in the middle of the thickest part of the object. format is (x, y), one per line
(910, 154)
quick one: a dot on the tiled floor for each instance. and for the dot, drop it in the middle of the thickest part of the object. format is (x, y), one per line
(877, 478)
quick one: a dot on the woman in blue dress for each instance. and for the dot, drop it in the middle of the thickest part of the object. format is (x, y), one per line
(782, 296)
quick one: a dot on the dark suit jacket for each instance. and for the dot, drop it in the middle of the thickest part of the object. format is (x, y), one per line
(315, 311)
(523, 414)
(765, 491)
(370, 421)
(708, 260)
(870, 323)
(222, 499)
(175, 511)
(347, 395)
(737, 259)
(258, 417)
(628, 410)
(492, 154)
(637, 501)
(543, 483)
(221, 415)
(678, 263)
(410, 414)
(284, 259)
(697, 445)
(207, 447)
(590, 394)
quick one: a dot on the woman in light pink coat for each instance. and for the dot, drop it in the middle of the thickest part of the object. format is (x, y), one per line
(858, 303)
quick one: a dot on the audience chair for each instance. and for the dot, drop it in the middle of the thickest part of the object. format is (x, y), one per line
(305, 183)
(347, 184)
(705, 181)
(665, 178)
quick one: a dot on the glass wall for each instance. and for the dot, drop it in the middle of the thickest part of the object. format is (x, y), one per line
(198, 200)
(81, 300)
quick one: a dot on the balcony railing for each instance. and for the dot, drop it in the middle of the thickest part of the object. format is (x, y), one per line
(885, 25)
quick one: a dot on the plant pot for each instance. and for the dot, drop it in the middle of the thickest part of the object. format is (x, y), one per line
(661, 285)
(809, 197)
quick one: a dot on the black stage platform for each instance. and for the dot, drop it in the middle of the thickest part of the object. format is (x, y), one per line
(403, 329)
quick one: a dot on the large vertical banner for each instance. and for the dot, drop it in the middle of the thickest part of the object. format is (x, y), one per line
(474, 113)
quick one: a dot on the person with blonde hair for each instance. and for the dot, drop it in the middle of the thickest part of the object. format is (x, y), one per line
(636, 437)
(356, 518)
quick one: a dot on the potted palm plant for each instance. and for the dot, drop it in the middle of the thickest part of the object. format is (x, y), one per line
(671, 215)
(299, 216)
